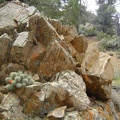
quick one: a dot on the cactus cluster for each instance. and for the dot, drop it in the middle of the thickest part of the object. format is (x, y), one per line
(17, 80)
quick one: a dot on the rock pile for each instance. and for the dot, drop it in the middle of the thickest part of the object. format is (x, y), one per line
(69, 75)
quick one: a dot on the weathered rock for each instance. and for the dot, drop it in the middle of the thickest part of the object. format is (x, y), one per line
(42, 29)
(48, 49)
(35, 104)
(99, 110)
(25, 93)
(21, 48)
(76, 55)
(57, 113)
(70, 90)
(80, 44)
(56, 59)
(36, 77)
(67, 89)
(56, 24)
(6, 69)
(14, 109)
(69, 32)
(1, 97)
(91, 56)
(115, 97)
(98, 77)
(72, 116)
(5, 45)
(8, 14)
(35, 56)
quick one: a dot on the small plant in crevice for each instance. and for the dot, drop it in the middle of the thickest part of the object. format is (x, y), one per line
(17, 80)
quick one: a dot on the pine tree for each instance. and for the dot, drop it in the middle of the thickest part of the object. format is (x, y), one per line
(106, 13)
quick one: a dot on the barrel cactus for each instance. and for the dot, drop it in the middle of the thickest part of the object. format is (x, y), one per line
(17, 80)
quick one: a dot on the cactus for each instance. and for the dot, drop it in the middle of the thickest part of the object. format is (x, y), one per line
(18, 80)
(21, 76)
(18, 85)
(25, 80)
(13, 75)
(24, 84)
(14, 83)
(7, 79)
(10, 87)
(30, 82)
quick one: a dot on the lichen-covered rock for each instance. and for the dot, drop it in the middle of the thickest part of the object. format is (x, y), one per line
(43, 31)
(67, 89)
(14, 109)
(56, 59)
(35, 56)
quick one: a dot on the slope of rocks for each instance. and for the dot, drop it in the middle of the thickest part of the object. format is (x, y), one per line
(72, 80)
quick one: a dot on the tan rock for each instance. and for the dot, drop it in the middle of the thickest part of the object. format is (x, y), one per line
(35, 56)
(98, 77)
(72, 116)
(27, 92)
(56, 59)
(21, 48)
(67, 30)
(80, 44)
(36, 77)
(56, 24)
(69, 88)
(34, 104)
(91, 56)
(42, 29)
(57, 113)
(69, 33)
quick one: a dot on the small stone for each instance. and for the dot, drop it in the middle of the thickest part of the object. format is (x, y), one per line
(57, 113)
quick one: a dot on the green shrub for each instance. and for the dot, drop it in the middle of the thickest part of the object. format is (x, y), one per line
(107, 42)
(18, 80)
(88, 30)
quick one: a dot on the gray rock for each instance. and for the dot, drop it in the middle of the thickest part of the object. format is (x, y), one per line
(5, 45)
